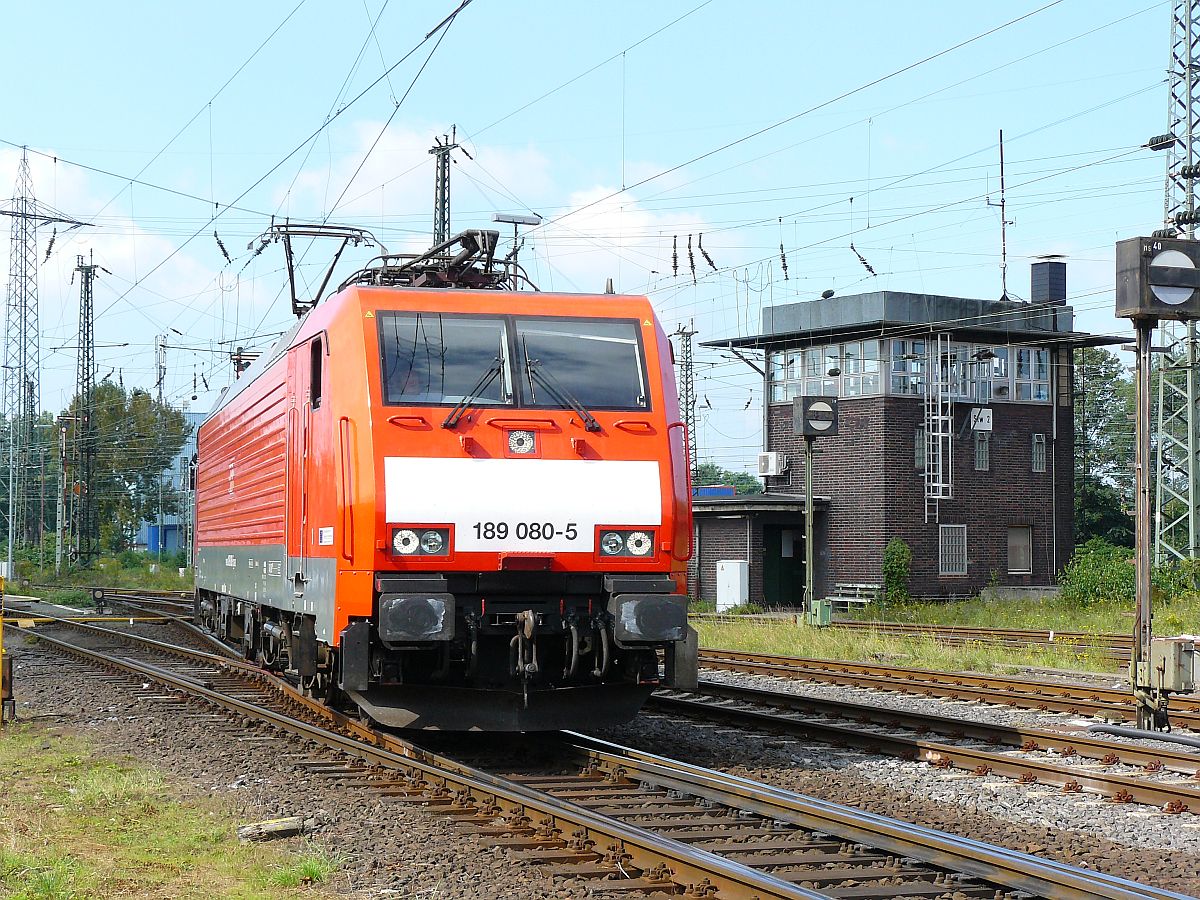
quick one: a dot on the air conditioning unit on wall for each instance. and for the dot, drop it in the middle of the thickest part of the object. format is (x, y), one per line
(772, 464)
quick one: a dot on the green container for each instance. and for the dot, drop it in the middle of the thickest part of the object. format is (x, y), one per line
(820, 613)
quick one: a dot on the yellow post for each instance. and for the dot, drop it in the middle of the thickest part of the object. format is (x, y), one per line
(7, 702)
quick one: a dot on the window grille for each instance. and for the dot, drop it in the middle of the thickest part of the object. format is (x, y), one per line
(1039, 453)
(983, 454)
(1020, 550)
(919, 449)
(952, 549)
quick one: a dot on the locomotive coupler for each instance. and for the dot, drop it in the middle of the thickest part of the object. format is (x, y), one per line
(523, 650)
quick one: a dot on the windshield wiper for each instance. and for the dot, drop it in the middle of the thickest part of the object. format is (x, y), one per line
(560, 393)
(472, 397)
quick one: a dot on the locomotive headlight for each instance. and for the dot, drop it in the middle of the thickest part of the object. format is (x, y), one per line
(639, 543)
(521, 442)
(432, 542)
(611, 543)
(405, 542)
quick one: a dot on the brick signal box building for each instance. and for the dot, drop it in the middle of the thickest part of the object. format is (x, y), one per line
(956, 435)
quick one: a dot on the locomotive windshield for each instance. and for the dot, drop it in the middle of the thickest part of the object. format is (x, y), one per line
(437, 358)
(597, 363)
(433, 358)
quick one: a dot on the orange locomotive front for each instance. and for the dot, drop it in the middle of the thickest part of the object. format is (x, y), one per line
(455, 509)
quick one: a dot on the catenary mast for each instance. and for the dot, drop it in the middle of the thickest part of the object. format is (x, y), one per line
(1177, 511)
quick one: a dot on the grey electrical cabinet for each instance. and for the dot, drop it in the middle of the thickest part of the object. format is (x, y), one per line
(1173, 664)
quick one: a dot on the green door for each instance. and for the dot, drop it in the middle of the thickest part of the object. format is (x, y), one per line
(783, 565)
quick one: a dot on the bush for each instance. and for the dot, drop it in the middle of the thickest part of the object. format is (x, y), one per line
(897, 568)
(1098, 571)
(131, 559)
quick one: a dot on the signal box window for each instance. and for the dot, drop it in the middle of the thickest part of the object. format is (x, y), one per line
(1020, 550)
(431, 358)
(596, 363)
(952, 550)
(1039, 453)
(983, 454)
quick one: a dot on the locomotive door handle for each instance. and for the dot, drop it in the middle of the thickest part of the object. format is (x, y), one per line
(347, 486)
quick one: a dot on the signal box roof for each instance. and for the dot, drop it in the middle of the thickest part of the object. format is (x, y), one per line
(896, 314)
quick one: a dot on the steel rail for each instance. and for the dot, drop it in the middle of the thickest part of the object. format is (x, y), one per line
(690, 866)
(1117, 643)
(1027, 693)
(1173, 798)
(1012, 868)
(1083, 745)
(693, 868)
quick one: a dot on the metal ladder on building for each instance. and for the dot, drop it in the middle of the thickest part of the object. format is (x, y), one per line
(939, 425)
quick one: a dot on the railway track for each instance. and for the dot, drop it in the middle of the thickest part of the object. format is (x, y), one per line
(1119, 771)
(1111, 646)
(608, 817)
(1085, 700)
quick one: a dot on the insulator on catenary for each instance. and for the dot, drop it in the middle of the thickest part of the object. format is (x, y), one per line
(675, 255)
(861, 259)
(691, 259)
(221, 244)
(707, 258)
(783, 261)
(50, 246)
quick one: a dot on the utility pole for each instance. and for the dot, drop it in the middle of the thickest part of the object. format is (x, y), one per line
(441, 187)
(86, 526)
(1177, 495)
(60, 519)
(22, 358)
(687, 391)
(160, 367)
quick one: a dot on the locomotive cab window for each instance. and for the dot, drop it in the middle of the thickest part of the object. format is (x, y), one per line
(433, 358)
(597, 363)
(314, 370)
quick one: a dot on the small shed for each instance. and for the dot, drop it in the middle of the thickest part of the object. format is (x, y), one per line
(767, 532)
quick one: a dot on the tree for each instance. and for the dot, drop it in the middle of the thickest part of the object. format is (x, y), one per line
(138, 437)
(742, 482)
(1104, 447)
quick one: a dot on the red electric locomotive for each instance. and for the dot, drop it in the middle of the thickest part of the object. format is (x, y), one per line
(452, 504)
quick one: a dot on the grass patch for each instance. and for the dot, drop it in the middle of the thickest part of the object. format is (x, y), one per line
(1178, 614)
(78, 827)
(313, 866)
(914, 652)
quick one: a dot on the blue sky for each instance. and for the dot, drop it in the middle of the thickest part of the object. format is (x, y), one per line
(625, 124)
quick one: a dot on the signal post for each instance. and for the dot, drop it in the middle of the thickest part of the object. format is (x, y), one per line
(1157, 278)
(813, 417)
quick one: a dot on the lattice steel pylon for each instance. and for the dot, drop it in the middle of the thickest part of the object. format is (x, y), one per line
(1177, 507)
(687, 393)
(85, 529)
(22, 359)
